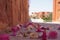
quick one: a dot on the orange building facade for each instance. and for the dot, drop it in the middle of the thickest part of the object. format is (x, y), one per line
(41, 14)
(56, 11)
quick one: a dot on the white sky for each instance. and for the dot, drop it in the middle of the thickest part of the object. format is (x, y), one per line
(40, 5)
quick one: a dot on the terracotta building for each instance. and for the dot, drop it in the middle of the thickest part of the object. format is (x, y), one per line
(13, 12)
(41, 14)
(56, 10)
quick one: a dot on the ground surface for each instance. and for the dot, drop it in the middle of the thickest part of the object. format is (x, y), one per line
(45, 25)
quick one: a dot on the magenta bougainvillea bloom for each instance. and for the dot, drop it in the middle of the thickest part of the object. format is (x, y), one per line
(15, 28)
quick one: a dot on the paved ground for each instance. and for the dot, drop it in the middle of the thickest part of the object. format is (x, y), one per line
(23, 39)
(18, 38)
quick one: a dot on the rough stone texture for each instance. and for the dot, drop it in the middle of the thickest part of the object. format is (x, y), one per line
(3, 16)
(13, 12)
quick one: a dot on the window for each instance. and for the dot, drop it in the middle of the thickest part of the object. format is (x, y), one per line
(58, 2)
(42, 11)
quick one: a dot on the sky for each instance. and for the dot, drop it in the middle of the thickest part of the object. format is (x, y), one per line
(40, 5)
